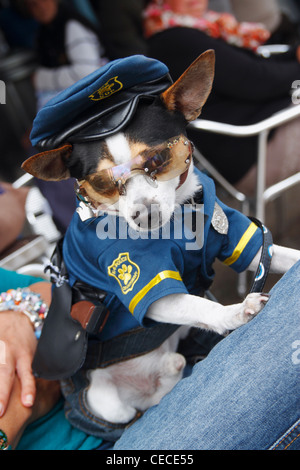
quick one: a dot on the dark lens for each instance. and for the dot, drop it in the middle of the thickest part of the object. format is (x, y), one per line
(158, 161)
(102, 184)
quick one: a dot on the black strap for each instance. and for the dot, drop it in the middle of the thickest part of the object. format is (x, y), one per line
(62, 347)
(262, 271)
(132, 343)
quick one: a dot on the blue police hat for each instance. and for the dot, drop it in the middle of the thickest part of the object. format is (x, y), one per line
(101, 103)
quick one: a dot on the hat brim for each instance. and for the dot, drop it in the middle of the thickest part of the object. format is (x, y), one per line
(109, 118)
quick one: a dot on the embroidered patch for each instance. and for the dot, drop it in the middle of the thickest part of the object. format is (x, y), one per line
(112, 86)
(125, 271)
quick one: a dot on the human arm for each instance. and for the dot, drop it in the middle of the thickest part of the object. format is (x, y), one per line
(84, 53)
(18, 344)
(18, 417)
(123, 31)
(12, 219)
(240, 74)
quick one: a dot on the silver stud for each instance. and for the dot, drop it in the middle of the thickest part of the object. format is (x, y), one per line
(77, 335)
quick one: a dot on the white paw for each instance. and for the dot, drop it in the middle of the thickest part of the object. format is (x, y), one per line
(111, 411)
(121, 415)
(173, 363)
(254, 303)
(239, 314)
(251, 306)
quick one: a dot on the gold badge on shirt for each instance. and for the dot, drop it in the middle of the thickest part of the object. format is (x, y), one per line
(125, 271)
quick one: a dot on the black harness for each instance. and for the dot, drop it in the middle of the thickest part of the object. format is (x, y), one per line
(77, 315)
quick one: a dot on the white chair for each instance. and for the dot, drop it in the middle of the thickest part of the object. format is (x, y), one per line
(263, 194)
(261, 130)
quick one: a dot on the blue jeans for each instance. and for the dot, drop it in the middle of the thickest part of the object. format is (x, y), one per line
(243, 396)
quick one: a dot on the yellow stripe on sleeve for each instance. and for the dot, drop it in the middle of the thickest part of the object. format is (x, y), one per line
(241, 244)
(156, 280)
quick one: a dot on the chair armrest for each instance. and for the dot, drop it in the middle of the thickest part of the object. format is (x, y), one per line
(265, 125)
(268, 50)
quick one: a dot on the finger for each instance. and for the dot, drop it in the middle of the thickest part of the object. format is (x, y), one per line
(27, 380)
(7, 376)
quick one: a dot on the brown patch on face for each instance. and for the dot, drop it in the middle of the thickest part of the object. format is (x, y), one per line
(106, 161)
(137, 148)
(104, 164)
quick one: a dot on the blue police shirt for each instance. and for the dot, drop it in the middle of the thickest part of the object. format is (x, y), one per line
(135, 271)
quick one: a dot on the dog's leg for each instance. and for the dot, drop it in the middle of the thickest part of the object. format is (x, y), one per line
(104, 401)
(282, 260)
(185, 309)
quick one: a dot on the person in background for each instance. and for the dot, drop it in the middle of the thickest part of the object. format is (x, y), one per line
(121, 22)
(12, 213)
(161, 15)
(247, 88)
(68, 47)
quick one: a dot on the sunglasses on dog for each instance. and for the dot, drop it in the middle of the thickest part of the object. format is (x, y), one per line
(162, 163)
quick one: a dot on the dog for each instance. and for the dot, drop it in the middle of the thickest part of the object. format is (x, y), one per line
(140, 175)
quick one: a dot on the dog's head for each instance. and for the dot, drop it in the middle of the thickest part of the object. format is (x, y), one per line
(144, 170)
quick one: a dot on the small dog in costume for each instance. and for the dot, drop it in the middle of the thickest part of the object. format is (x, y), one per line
(144, 238)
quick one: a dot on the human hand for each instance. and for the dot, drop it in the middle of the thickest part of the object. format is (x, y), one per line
(48, 393)
(17, 417)
(17, 347)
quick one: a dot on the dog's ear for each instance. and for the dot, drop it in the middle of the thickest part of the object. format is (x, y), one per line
(49, 165)
(189, 93)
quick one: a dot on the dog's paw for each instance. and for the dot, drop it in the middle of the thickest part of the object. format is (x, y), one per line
(254, 303)
(173, 363)
(239, 314)
(251, 306)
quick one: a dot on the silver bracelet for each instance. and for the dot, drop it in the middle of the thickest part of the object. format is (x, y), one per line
(27, 302)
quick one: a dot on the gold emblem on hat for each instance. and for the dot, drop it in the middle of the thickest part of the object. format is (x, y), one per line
(125, 271)
(111, 86)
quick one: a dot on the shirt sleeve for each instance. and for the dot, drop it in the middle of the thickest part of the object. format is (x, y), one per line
(142, 272)
(84, 53)
(242, 242)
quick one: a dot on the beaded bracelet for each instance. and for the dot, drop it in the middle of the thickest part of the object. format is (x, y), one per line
(3, 441)
(27, 302)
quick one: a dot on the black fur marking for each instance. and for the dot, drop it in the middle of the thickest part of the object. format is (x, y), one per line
(85, 158)
(154, 124)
